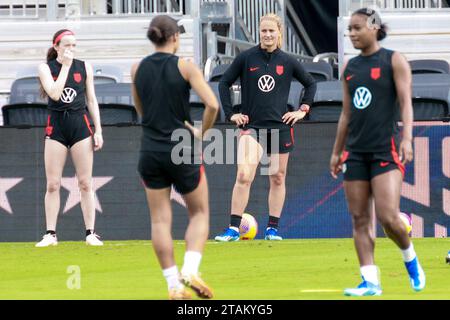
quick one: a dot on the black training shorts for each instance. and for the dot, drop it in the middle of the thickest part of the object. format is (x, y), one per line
(68, 127)
(158, 171)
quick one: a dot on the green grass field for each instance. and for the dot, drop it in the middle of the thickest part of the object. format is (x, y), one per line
(254, 270)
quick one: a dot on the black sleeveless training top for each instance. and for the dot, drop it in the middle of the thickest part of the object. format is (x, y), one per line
(374, 109)
(164, 95)
(73, 96)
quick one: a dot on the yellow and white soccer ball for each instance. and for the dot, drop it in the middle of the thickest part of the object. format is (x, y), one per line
(248, 228)
(407, 221)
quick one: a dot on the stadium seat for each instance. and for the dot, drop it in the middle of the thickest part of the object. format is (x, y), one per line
(36, 114)
(26, 114)
(332, 58)
(429, 66)
(107, 73)
(218, 72)
(320, 71)
(102, 73)
(431, 96)
(115, 93)
(327, 103)
(197, 106)
(295, 93)
(26, 90)
(117, 114)
(116, 104)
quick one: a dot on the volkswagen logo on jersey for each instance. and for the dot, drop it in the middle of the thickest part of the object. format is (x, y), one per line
(362, 98)
(68, 95)
(266, 83)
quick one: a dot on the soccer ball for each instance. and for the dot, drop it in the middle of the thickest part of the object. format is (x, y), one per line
(406, 218)
(447, 259)
(248, 228)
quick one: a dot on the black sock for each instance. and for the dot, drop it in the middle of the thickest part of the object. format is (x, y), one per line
(235, 221)
(50, 232)
(273, 222)
(89, 231)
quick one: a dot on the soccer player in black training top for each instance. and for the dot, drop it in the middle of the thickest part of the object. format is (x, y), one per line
(69, 84)
(161, 84)
(373, 84)
(266, 73)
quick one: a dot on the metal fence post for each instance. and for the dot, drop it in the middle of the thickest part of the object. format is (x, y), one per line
(211, 41)
(52, 10)
(282, 15)
(197, 31)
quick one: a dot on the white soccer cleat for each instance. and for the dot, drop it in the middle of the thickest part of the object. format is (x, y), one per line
(416, 274)
(179, 294)
(193, 281)
(47, 240)
(93, 240)
(366, 288)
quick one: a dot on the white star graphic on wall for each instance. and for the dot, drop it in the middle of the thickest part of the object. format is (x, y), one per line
(5, 185)
(71, 184)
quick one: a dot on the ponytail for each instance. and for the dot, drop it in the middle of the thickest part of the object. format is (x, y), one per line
(161, 28)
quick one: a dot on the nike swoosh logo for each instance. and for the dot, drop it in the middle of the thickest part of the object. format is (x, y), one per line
(384, 164)
(349, 77)
(254, 69)
(288, 144)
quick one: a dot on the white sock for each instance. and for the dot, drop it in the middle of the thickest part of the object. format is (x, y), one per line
(191, 262)
(172, 277)
(370, 274)
(409, 254)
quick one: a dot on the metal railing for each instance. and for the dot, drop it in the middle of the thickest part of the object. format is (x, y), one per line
(21, 9)
(128, 7)
(246, 16)
(64, 9)
(348, 6)
(249, 13)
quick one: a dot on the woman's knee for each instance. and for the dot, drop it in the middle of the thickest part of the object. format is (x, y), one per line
(278, 179)
(85, 184)
(53, 186)
(360, 219)
(244, 178)
(388, 221)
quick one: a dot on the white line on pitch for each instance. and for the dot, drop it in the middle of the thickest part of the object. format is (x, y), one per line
(320, 290)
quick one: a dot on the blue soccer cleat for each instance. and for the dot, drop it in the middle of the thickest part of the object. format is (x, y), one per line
(272, 234)
(365, 289)
(228, 236)
(416, 274)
